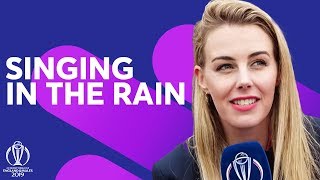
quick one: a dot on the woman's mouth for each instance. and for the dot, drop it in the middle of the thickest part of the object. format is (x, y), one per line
(244, 104)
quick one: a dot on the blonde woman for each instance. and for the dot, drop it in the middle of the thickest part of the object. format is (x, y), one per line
(244, 90)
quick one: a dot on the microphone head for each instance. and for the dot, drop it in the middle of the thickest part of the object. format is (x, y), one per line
(245, 161)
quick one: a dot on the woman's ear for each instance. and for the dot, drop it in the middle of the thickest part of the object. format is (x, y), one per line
(198, 71)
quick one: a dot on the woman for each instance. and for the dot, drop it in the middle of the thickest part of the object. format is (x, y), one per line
(244, 90)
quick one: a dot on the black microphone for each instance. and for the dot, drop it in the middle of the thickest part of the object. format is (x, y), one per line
(245, 161)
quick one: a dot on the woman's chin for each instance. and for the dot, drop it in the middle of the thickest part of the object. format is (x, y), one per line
(245, 123)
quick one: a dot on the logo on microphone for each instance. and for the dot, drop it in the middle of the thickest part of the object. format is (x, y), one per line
(17, 155)
(17, 151)
(242, 165)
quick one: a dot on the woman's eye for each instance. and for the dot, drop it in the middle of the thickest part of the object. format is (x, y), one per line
(224, 67)
(259, 63)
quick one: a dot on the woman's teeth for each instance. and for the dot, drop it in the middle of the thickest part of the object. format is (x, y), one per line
(244, 102)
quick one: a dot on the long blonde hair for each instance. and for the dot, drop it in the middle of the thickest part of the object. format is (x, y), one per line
(292, 143)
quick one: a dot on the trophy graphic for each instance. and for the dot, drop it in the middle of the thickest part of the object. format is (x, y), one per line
(241, 160)
(17, 150)
(242, 165)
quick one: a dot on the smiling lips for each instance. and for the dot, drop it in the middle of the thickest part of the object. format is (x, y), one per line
(244, 103)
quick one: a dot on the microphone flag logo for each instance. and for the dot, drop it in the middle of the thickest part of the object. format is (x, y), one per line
(18, 150)
(242, 165)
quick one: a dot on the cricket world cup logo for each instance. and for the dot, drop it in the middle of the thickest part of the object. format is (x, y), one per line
(242, 165)
(17, 150)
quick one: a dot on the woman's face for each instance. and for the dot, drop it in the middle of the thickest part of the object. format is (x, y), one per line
(240, 73)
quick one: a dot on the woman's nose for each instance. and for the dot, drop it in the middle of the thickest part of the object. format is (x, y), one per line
(244, 79)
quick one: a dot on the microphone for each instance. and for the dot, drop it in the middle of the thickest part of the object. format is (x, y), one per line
(245, 161)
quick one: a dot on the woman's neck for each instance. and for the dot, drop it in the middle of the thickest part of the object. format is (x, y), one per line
(258, 133)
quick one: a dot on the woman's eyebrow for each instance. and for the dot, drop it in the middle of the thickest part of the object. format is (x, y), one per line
(250, 56)
(223, 58)
(258, 53)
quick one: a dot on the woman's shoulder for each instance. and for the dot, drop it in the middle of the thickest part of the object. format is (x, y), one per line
(314, 126)
(178, 164)
(313, 120)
